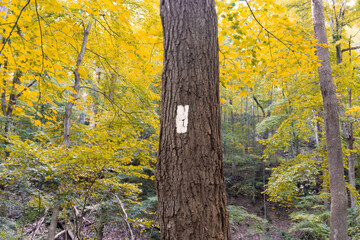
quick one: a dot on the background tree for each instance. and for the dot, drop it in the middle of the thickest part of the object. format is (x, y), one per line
(339, 202)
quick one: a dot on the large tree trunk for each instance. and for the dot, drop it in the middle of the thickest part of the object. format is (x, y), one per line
(339, 201)
(189, 171)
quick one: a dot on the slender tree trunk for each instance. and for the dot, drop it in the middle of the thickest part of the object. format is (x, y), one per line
(9, 108)
(53, 223)
(347, 127)
(253, 125)
(3, 65)
(339, 201)
(113, 80)
(12, 103)
(316, 130)
(101, 225)
(16, 80)
(346, 124)
(67, 123)
(246, 112)
(233, 162)
(351, 165)
(100, 232)
(70, 104)
(189, 172)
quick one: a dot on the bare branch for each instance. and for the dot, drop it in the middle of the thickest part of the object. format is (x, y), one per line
(41, 40)
(342, 9)
(352, 20)
(59, 234)
(257, 102)
(26, 88)
(350, 49)
(125, 217)
(39, 222)
(106, 60)
(107, 97)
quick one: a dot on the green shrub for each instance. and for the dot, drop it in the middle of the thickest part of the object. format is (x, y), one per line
(239, 215)
(312, 220)
(8, 229)
(354, 223)
(312, 225)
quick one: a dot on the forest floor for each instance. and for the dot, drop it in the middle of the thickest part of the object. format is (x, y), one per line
(275, 228)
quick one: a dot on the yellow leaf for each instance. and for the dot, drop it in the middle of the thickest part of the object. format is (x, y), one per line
(29, 103)
(38, 41)
(70, 89)
(57, 67)
(27, 18)
(37, 123)
(243, 93)
(222, 100)
(82, 72)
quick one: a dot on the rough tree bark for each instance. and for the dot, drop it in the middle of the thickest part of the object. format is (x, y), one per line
(189, 172)
(339, 201)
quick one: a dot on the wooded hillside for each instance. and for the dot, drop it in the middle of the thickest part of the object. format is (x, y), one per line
(108, 107)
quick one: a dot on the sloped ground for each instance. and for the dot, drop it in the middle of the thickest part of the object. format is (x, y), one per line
(277, 220)
(275, 228)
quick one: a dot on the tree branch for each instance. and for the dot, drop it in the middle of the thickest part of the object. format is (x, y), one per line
(107, 97)
(41, 40)
(26, 88)
(38, 223)
(106, 60)
(262, 109)
(352, 20)
(252, 13)
(350, 49)
(12, 30)
(125, 217)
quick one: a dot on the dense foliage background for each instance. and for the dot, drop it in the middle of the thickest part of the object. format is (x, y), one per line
(272, 117)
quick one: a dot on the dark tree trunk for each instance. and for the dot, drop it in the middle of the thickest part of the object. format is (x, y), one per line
(339, 201)
(8, 110)
(12, 103)
(189, 172)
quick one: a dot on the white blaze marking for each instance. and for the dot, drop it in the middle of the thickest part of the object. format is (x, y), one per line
(182, 118)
